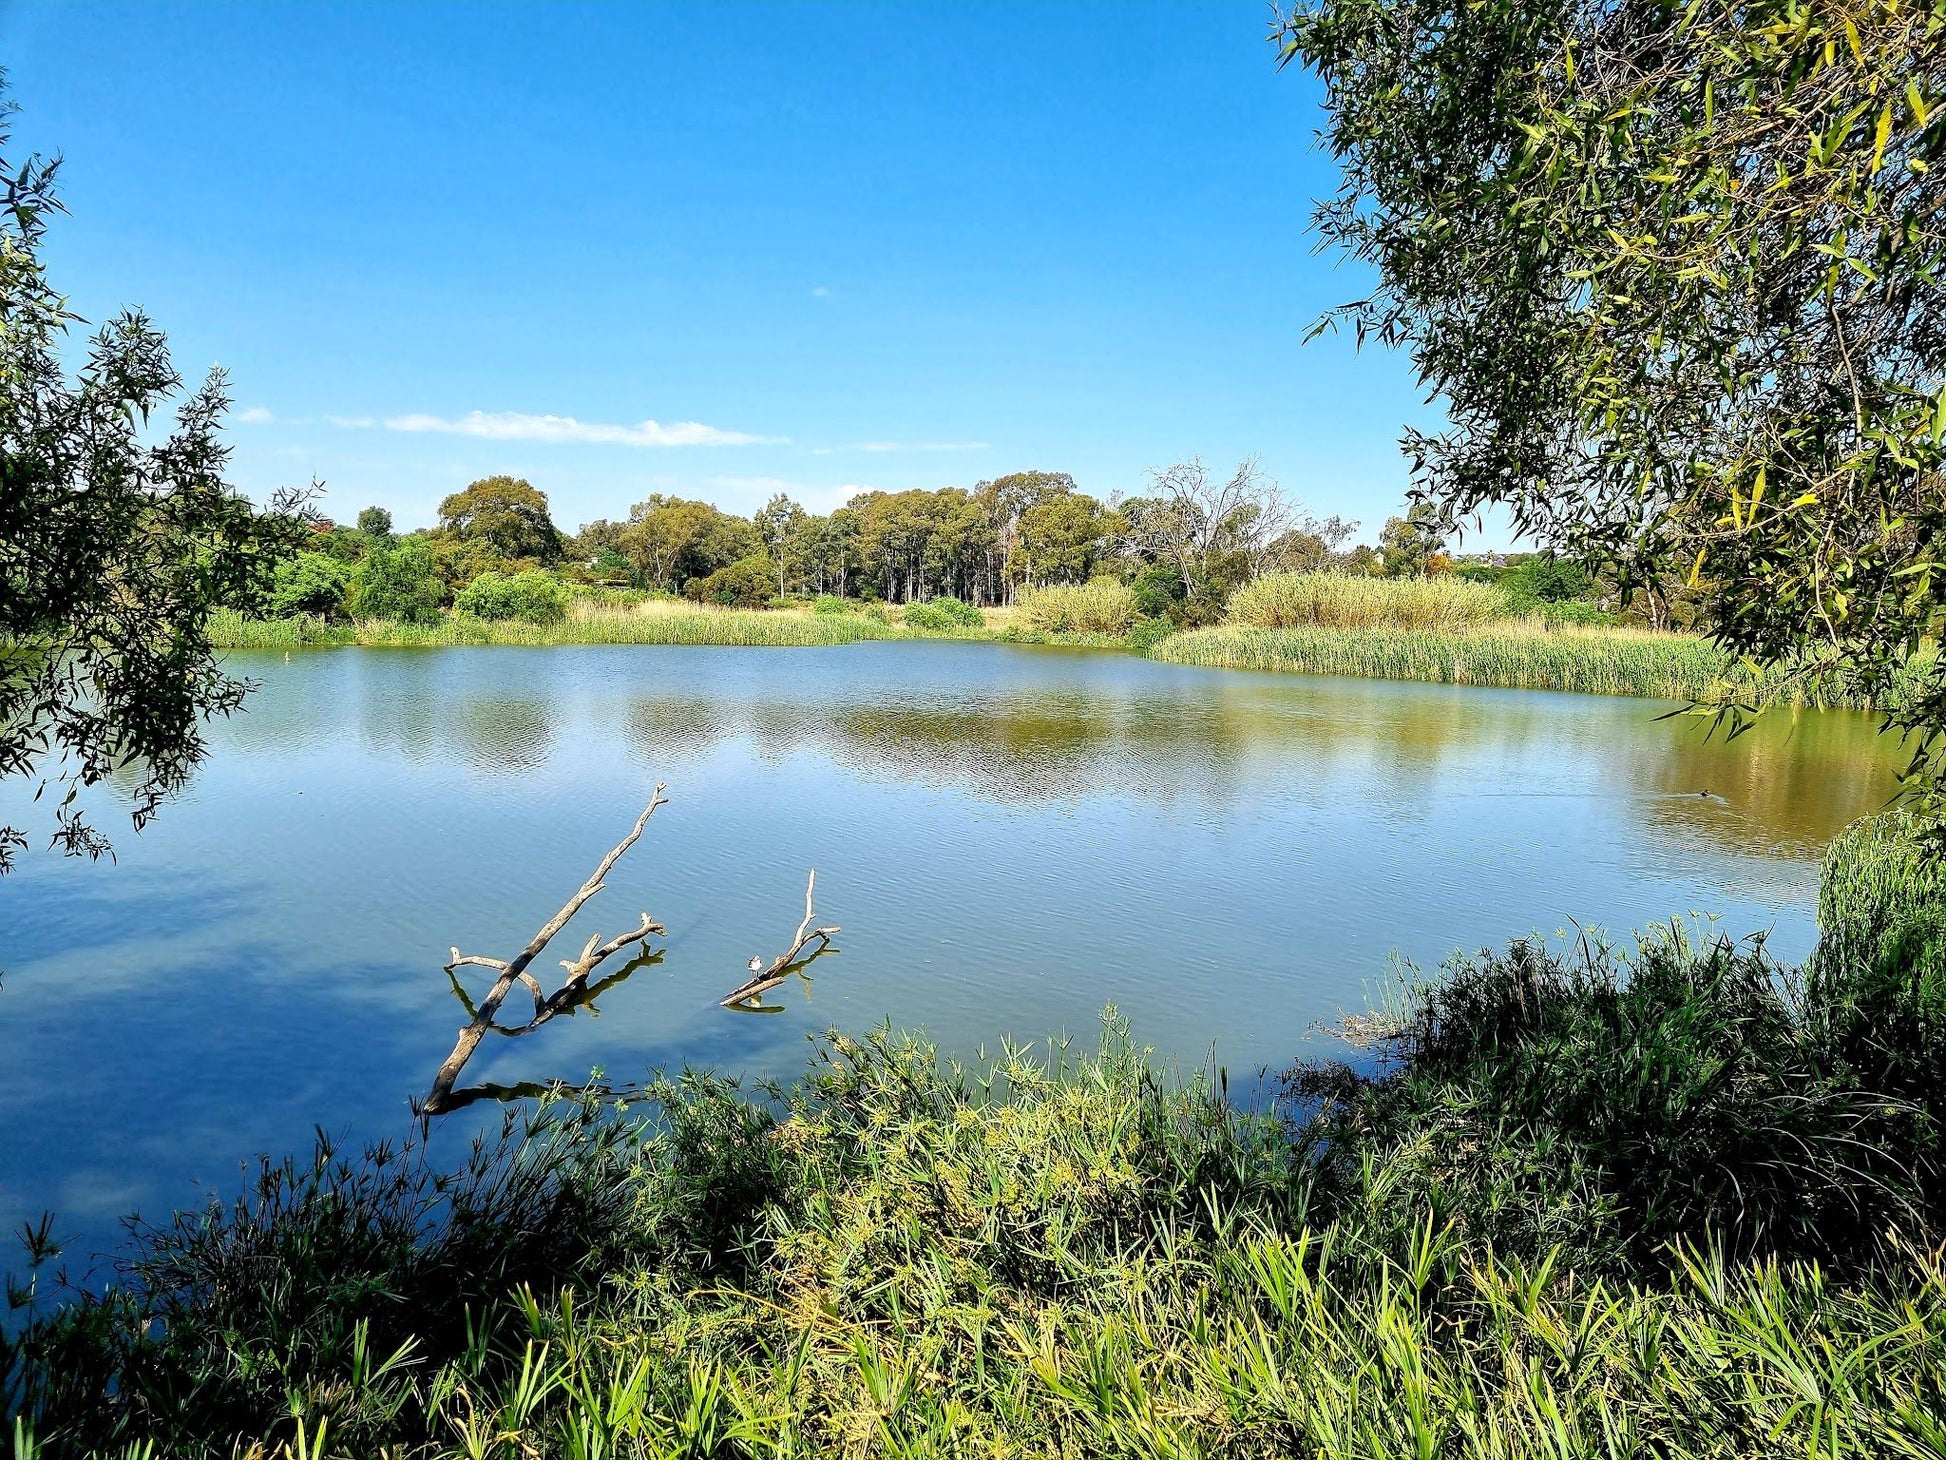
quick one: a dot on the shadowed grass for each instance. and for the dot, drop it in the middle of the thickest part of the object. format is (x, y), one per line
(1038, 1255)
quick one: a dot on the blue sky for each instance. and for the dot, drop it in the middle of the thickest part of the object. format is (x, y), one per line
(730, 250)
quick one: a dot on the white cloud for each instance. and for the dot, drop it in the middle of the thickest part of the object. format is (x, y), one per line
(519, 426)
(820, 292)
(355, 423)
(255, 416)
(919, 446)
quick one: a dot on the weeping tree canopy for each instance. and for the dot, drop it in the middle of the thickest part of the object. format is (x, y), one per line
(1675, 273)
(118, 537)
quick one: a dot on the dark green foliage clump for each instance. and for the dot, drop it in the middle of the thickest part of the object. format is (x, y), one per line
(942, 614)
(1877, 983)
(532, 597)
(747, 583)
(1611, 1105)
(311, 583)
(396, 580)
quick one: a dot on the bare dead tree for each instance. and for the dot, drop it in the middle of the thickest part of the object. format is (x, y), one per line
(1191, 514)
(749, 994)
(574, 989)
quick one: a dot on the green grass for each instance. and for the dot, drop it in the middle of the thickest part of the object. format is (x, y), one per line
(1077, 1258)
(1569, 1202)
(1346, 601)
(1514, 656)
(654, 623)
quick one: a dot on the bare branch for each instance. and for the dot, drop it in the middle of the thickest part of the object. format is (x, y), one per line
(546, 1006)
(748, 994)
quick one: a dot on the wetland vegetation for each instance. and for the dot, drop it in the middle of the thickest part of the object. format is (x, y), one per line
(1681, 1194)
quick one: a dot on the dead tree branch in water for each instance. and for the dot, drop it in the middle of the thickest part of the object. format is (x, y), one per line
(785, 964)
(573, 992)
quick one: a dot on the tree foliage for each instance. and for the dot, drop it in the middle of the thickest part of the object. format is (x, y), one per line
(397, 580)
(504, 515)
(1675, 273)
(310, 583)
(116, 543)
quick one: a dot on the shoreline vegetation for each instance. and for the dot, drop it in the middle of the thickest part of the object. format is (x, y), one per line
(1540, 1209)
(1427, 631)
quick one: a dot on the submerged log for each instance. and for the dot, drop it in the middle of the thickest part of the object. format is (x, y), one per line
(575, 990)
(572, 992)
(748, 995)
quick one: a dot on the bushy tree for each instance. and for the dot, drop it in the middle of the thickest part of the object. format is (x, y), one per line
(1677, 274)
(505, 515)
(534, 597)
(747, 583)
(1408, 545)
(310, 583)
(375, 522)
(117, 541)
(397, 580)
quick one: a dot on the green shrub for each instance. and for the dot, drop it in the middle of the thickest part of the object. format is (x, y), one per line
(1876, 985)
(1345, 601)
(1145, 633)
(830, 603)
(1101, 607)
(1575, 613)
(943, 614)
(533, 597)
(747, 583)
(1608, 1105)
(1158, 591)
(396, 580)
(311, 583)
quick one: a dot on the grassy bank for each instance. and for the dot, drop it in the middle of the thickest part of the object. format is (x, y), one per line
(1562, 1202)
(1519, 653)
(654, 622)
(1516, 655)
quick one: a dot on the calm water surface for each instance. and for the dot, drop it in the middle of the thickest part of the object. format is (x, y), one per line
(1011, 838)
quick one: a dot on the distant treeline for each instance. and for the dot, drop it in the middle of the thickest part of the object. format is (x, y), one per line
(1183, 547)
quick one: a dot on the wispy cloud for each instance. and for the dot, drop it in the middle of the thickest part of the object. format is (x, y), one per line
(820, 292)
(255, 416)
(355, 423)
(519, 426)
(919, 446)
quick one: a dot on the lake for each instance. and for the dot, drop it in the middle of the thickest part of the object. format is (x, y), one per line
(1011, 838)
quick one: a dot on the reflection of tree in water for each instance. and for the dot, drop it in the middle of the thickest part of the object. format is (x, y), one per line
(500, 733)
(1041, 745)
(1785, 787)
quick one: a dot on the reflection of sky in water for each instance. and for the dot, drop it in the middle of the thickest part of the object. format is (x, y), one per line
(1011, 838)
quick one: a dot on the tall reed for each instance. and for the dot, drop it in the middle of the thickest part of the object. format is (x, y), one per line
(1517, 655)
(1348, 601)
(1100, 607)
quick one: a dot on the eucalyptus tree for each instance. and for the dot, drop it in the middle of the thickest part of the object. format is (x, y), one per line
(1674, 272)
(118, 539)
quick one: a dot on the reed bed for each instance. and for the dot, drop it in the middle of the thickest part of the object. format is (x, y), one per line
(587, 622)
(1518, 655)
(1101, 607)
(1347, 601)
